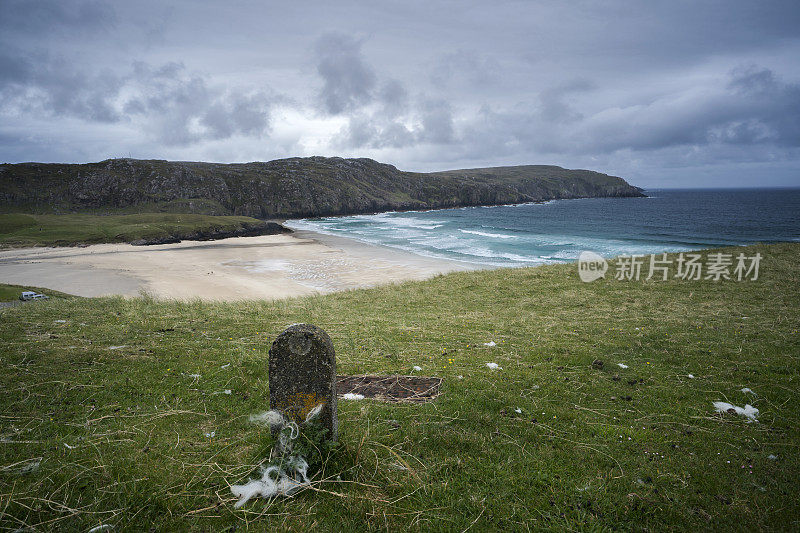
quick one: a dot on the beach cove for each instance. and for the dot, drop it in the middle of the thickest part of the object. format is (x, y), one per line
(242, 268)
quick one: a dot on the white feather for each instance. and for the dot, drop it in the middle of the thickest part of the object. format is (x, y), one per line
(312, 414)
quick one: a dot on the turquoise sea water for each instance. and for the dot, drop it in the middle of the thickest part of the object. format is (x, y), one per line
(557, 231)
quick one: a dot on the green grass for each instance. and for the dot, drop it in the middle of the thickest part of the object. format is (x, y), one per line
(10, 293)
(102, 421)
(17, 230)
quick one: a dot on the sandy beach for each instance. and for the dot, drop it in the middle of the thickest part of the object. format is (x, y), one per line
(267, 267)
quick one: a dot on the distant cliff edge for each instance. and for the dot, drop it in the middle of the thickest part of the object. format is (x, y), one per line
(285, 188)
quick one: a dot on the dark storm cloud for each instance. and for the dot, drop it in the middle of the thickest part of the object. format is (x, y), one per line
(553, 102)
(622, 86)
(381, 112)
(770, 111)
(752, 108)
(348, 81)
(374, 131)
(431, 122)
(39, 82)
(465, 66)
(378, 108)
(657, 34)
(178, 108)
(46, 17)
(437, 122)
(393, 96)
(746, 106)
(182, 108)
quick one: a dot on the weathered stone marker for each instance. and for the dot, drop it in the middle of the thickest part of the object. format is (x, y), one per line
(302, 374)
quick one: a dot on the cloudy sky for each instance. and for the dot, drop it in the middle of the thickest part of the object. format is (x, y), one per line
(664, 93)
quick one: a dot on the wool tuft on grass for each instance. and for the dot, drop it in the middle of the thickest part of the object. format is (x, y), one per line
(747, 411)
(352, 396)
(268, 418)
(289, 472)
(276, 480)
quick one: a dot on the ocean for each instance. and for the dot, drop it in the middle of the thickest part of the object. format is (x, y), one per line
(668, 220)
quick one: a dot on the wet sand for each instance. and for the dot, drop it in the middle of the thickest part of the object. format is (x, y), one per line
(266, 267)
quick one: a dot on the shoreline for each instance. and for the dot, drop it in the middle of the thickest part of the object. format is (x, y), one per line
(282, 220)
(267, 267)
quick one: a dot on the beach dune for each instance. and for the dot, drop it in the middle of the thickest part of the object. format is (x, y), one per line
(266, 267)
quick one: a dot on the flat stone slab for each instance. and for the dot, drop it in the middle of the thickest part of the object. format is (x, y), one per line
(411, 389)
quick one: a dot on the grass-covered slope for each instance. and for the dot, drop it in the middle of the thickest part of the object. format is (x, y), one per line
(106, 417)
(296, 187)
(18, 229)
(11, 293)
(550, 182)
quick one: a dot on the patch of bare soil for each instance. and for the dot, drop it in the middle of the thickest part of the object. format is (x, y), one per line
(414, 389)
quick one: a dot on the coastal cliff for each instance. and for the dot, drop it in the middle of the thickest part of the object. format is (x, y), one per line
(285, 188)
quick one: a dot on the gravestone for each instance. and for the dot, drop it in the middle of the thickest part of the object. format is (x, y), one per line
(302, 374)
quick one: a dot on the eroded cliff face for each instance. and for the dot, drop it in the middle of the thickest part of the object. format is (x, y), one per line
(285, 188)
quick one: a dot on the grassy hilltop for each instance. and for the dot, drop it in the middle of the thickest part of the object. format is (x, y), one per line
(285, 188)
(108, 406)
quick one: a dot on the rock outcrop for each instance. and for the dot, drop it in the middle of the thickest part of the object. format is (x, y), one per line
(285, 188)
